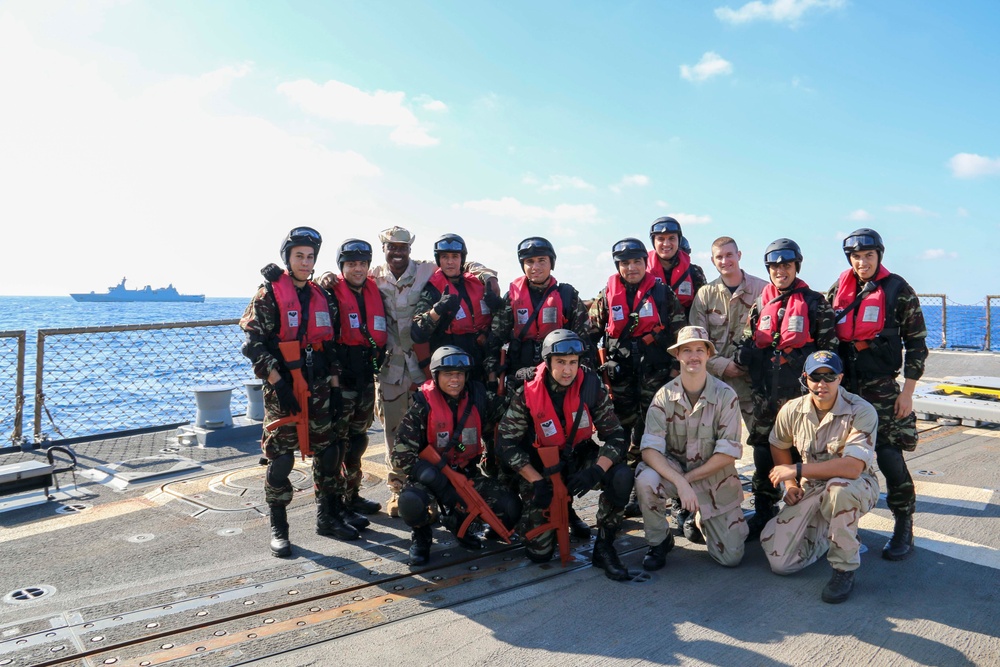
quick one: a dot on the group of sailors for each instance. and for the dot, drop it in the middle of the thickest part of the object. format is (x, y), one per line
(498, 409)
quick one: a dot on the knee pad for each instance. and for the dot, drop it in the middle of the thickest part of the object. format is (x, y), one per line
(538, 553)
(618, 482)
(428, 475)
(414, 507)
(329, 460)
(278, 470)
(356, 447)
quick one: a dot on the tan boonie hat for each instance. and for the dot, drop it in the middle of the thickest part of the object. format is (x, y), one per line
(397, 234)
(690, 334)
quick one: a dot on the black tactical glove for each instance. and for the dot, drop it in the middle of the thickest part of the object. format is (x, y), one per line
(542, 496)
(336, 403)
(271, 272)
(582, 481)
(612, 369)
(447, 305)
(286, 397)
(526, 374)
(493, 302)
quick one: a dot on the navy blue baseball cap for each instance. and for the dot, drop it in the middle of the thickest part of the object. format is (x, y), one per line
(823, 359)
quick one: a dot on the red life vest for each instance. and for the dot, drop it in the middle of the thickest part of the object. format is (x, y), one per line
(683, 287)
(546, 319)
(350, 314)
(794, 324)
(462, 323)
(441, 423)
(868, 319)
(318, 328)
(549, 431)
(618, 310)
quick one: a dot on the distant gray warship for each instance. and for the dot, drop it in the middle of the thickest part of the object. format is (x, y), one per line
(118, 294)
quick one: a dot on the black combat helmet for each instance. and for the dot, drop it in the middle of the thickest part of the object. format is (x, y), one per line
(450, 243)
(354, 250)
(306, 236)
(536, 246)
(782, 251)
(864, 239)
(665, 225)
(562, 342)
(629, 248)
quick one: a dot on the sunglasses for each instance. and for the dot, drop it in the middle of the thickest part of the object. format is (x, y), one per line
(823, 377)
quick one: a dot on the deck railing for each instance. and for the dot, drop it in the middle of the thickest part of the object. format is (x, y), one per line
(12, 346)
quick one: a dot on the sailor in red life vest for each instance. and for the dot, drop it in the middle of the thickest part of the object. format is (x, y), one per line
(878, 315)
(787, 323)
(290, 307)
(637, 317)
(361, 336)
(671, 263)
(455, 308)
(449, 413)
(562, 406)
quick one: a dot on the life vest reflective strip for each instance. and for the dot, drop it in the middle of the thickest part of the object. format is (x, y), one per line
(680, 277)
(547, 318)
(318, 328)
(441, 424)
(549, 431)
(462, 323)
(795, 323)
(867, 320)
(350, 314)
(618, 308)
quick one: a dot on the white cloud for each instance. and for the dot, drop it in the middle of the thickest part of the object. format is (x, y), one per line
(970, 165)
(938, 253)
(912, 210)
(341, 102)
(573, 250)
(711, 64)
(661, 204)
(511, 208)
(529, 179)
(691, 219)
(559, 182)
(630, 181)
(861, 215)
(429, 103)
(779, 11)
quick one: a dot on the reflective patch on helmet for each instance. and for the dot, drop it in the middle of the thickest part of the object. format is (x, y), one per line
(484, 307)
(522, 315)
(549, 315)
(684, 289)
(470, 436)
(796, 323)
(870, 314)
(646, 310)
(323, 318)
(293, 319)
(354, 321)
(617, 313)
(379, 323)
(443, 437)
(548, 428)
(460, 315)
(584, 419)
(765, 323)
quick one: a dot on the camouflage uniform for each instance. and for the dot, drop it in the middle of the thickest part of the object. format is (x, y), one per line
(766, 402)
(688, 436)
(261, 323)
(517, 428)
(724, 315)
(827, 516)
(411, 438)
(698, 280)
(633, 391)
(401, 374)
(894, 435)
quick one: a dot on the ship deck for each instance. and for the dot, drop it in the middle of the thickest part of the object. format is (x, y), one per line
(174, 566)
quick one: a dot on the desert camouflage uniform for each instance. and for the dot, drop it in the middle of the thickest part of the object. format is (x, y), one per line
(411, 438)
(401, 374)
(633, 391)
(688, 436)
(827, 516)
(724, 315)
(894, 435)
(260, 322)
(517, 428)
(766, 406)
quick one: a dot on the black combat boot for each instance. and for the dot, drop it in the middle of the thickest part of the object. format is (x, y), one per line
(688, 526)
(606, 558)
(280, 546)
(359, 521)
(839, 587)
(362, 505)
(330, 519)
(900, 545)
(764, 511)
(632, 508)
(420, 545)
(578, 528)
(452, 520)
(656, 556)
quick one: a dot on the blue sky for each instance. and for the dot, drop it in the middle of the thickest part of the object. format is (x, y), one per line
(178, 141)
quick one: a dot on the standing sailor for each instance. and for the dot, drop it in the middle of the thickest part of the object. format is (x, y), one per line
(669, 262)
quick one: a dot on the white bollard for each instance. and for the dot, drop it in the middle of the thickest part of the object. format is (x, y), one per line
(213, 405)
(255, 399)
